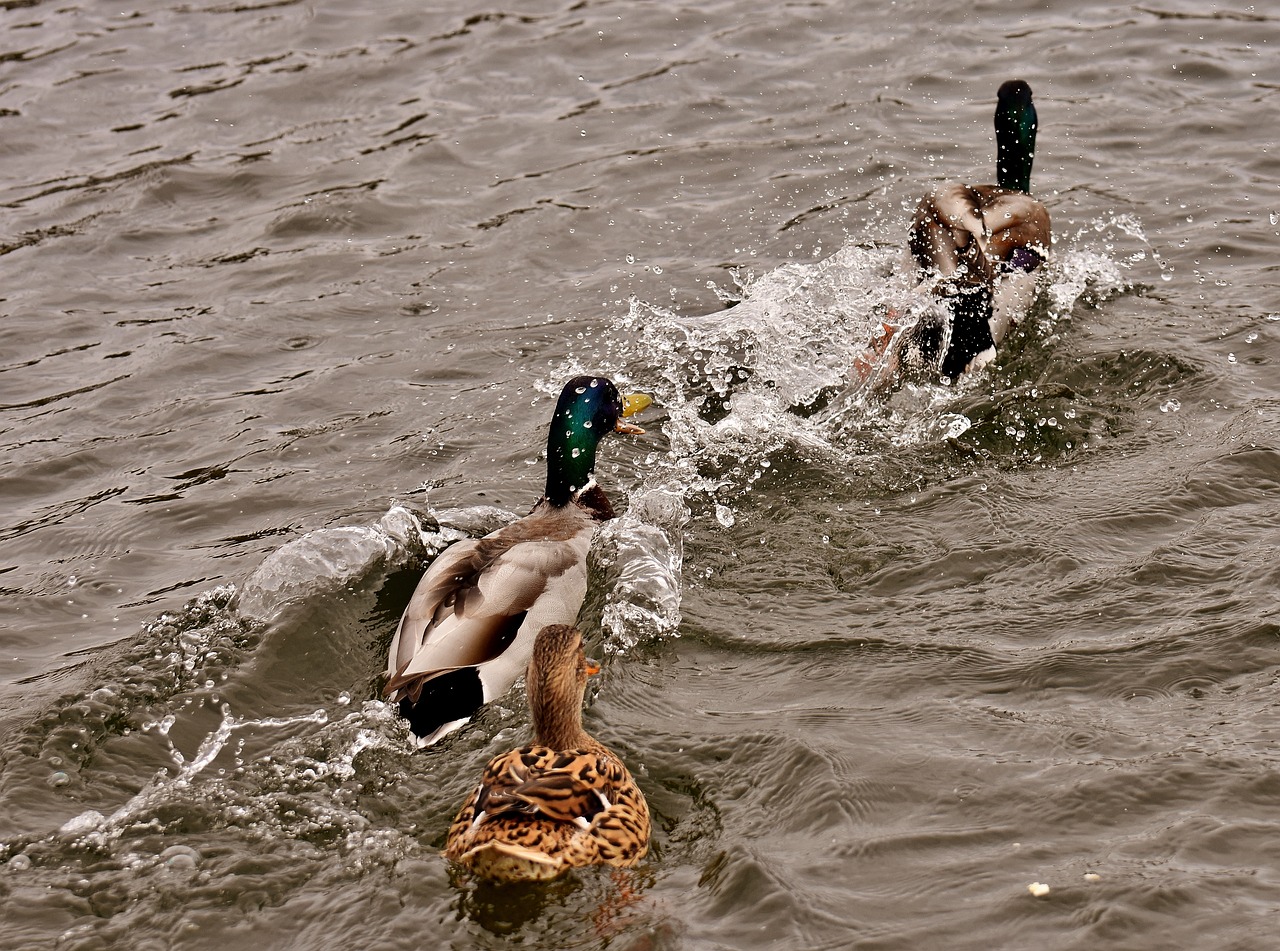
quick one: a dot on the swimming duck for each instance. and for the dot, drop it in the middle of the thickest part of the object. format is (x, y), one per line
(469, 629)
(563, 802)
(979, 247)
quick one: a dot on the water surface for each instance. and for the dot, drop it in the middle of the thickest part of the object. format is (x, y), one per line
(283, 280)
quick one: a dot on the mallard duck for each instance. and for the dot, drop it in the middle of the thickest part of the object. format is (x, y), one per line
(977, 247)
(563, 802)
(468, 631)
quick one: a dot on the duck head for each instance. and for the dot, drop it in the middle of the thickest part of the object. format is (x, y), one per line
(589, 408)
(1015, 135)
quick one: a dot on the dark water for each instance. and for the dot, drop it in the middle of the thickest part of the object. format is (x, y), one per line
(278, 275)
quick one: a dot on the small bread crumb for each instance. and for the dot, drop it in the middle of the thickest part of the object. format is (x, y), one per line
(1091, 876)
(1038, 889)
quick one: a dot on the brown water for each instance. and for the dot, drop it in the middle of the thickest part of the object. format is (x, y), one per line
(277, 273)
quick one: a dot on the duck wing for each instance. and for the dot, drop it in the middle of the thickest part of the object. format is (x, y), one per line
(576, 807)
(566, 786)
(479, 595)
(978, 227)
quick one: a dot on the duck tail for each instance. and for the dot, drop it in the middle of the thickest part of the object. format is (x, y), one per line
(505, 862)
(971, 309)
(950, 334)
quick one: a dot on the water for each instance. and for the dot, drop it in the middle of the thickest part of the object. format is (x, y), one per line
(289, 289)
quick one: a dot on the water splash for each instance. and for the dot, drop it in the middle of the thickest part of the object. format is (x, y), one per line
(770, 374)
(91, 829)
(645, 547)
(335, 558)
(1097, 262)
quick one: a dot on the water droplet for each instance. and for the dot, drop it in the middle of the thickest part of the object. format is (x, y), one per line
(58, 779)
(576, 452)
(1170, 406)
(1231, 358)
(180, 856)
(724, 515)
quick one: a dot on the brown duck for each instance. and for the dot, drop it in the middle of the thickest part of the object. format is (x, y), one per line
(564, 802)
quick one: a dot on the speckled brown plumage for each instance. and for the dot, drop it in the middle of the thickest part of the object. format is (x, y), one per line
(563, 802)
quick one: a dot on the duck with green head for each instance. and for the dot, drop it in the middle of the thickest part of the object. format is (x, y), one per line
(976, 249)
(468, 631)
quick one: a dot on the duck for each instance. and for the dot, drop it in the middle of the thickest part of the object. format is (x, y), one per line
(565, 801)
(976, 250)
(468, 631)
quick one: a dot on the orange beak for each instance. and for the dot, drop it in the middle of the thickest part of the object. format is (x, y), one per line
(593, 667)
(632, 403)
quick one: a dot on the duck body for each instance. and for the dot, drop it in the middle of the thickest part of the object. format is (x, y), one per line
(468, 631)
(539, 812)
(563, 802)
(976, 248)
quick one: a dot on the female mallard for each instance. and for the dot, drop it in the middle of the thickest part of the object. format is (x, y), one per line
(469, 629)
(564, 802)
(981, 245)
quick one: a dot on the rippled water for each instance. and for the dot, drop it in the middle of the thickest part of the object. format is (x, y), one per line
(288, 290)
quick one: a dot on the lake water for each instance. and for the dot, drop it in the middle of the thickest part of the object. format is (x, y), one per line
(283, 278)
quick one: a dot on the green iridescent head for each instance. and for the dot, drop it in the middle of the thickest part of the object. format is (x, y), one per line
(1015, 135)
(589, 407)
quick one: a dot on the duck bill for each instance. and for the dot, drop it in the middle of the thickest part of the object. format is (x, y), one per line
(593, 667)
(632, 403)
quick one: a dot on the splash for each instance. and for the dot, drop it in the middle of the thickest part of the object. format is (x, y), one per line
(91, 829)
(331, 559)
(645, 548)
(770, 375)
(1095, 264)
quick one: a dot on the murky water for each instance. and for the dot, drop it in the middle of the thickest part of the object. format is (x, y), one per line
(288, 291)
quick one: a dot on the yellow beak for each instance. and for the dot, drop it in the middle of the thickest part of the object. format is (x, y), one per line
(632, 403)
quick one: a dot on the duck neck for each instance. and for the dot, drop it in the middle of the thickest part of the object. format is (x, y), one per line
(1015, 136)
(557, 715)
(571, 457)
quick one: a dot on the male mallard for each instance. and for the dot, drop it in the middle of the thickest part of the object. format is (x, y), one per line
(469, 629)
(564, 802)
(982, 244)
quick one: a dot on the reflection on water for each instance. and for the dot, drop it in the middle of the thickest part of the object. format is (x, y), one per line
(289, 288)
